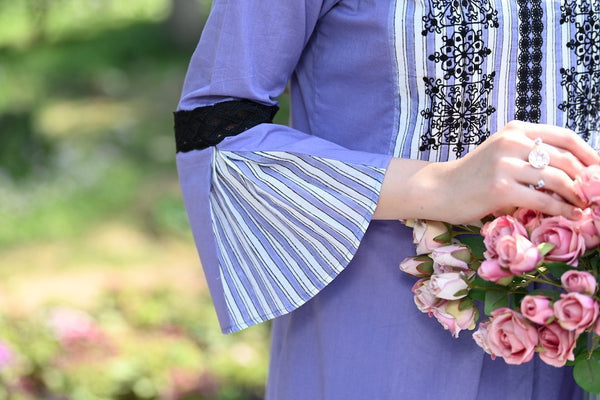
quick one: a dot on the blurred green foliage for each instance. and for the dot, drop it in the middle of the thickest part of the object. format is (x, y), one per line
(86, 94)
(132, 345)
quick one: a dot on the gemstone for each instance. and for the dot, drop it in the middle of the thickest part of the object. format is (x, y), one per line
(539, 157)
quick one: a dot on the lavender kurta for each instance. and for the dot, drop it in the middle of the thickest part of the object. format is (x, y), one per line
(282, 217)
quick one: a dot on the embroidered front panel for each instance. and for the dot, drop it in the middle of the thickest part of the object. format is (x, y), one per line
(454, 98)
(582, 80)
(466, 68)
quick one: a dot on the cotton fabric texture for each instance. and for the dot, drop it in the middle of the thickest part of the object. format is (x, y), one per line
(281, 215)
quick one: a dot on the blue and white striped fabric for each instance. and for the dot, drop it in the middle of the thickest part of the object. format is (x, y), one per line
(285, 225)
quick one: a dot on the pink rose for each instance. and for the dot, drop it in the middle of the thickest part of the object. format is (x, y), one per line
(420, 266)
(494, 230)
(568, 243)
(517, 253)
(449, 286)
(530, 219)
(511, 336)
(587, 185)
(429, 235)
(481, 338)
(452, 318)
(597, 327)
(575, 311)
(557, 344)
(579, 281)
(491, 270)
(424, 298)
(595, 213)
(452, 256)
(588, 229)
(537, 309)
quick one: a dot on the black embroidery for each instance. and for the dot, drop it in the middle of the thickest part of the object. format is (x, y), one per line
(449, 13)
(582, 82)
(529, 83)
(207, 126)
(459, 106)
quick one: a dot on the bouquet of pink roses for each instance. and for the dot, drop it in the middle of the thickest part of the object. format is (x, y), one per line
(536, 275)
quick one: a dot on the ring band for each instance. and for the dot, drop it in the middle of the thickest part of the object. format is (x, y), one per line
(539, 156)
(540, 184)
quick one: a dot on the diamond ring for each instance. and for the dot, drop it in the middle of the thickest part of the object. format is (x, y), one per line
(540, 184)
(538, 156)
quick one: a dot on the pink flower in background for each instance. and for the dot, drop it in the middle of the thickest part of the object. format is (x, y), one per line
(537, 309)
(452, 318)
(6, 356)
(557, 344)
(73, 326)
(511, 336)
(587, 185)
(530, 219)
(568, 243)
(425, 234)
(449, 285)
(579, 281)
(500, 227)
(575, 311)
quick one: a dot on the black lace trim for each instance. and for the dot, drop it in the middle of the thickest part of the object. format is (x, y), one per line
(529, 87)
(207, 126)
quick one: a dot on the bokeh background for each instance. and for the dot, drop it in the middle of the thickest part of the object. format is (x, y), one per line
(101, 291)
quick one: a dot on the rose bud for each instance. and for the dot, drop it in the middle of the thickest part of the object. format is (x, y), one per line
(579, 281)
(575, 311)
(429, 235)
(537, 309)
(449, 286)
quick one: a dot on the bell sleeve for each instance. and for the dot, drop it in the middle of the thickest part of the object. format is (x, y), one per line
(276, 213)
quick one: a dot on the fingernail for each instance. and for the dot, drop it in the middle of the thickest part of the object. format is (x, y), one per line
(577, 213)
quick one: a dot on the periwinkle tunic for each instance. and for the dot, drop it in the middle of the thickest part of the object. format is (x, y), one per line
(282, 216)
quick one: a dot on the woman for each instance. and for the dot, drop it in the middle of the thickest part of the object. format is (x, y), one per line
(393, 107)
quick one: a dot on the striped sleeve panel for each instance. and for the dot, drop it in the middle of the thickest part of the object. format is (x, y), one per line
(285, 225)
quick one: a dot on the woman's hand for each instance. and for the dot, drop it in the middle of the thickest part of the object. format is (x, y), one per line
(495, 177)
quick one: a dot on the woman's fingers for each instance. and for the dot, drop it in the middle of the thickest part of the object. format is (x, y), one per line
(563, 139)
(546, 203)
(550, 179)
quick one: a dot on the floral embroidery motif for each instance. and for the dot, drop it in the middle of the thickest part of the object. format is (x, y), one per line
(459, 105)
(582, 82)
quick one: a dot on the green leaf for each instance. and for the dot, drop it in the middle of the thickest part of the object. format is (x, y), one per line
(475, 243)
(557, 269)
(545, 248)
(495, 300)
(443, 237)
(465, 303)
(479, 281)
(477, 294)
(587, 374)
